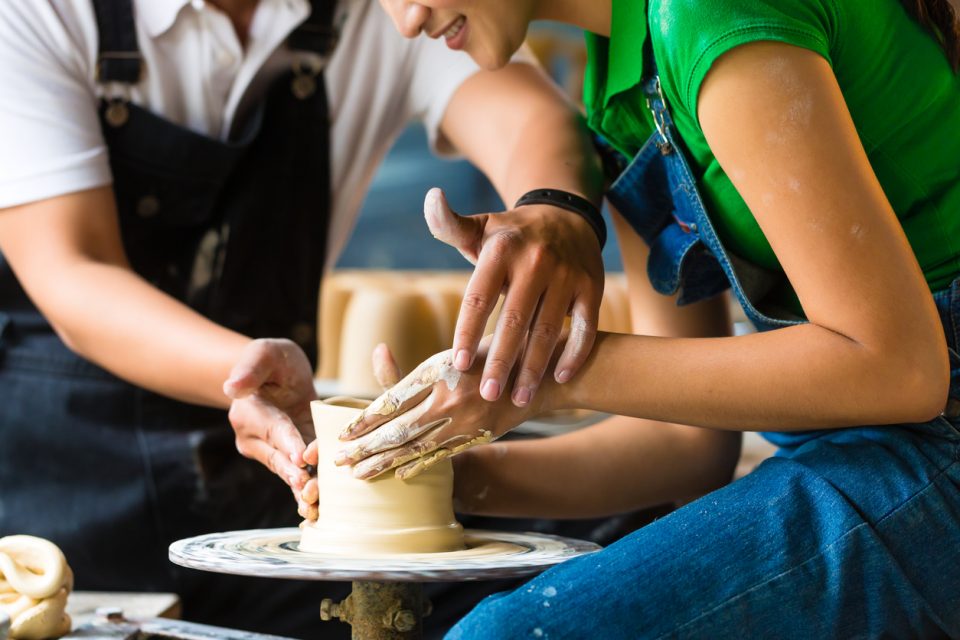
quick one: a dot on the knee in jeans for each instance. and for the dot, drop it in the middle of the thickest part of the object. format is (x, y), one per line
(503, 616)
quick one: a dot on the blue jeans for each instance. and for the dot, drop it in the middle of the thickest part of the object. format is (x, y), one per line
(852, 534)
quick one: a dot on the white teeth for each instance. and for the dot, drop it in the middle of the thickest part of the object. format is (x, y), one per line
(455, 29)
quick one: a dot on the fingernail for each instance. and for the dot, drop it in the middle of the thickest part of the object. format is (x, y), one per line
(462, 361)
(521, 397)
(341, 458)
(490, 390)
(563, 376)
(294, 460)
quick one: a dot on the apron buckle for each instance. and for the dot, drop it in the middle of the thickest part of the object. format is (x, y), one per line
(304, 83)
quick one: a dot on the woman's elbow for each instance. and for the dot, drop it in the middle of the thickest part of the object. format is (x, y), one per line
(919, 387)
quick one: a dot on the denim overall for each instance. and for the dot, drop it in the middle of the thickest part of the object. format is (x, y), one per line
(851, 533)
(237, 230)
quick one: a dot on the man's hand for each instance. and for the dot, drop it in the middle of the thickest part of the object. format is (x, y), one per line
(547, 262)
(271, 388)
(433, 413)
(387, 373)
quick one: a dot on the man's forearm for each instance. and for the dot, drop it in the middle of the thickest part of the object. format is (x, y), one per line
(518, 128)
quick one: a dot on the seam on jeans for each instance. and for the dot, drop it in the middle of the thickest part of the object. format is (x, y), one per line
(816, 556)
(903, 504)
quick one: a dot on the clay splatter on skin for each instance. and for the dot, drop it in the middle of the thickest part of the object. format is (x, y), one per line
(578, 326)
(451, 376)
(799, 112)
(435, 368)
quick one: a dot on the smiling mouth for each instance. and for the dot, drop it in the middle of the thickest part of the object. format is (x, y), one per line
(451, 30)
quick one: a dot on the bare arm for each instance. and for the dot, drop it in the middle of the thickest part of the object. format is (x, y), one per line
(67, 254)
(873, 351)
(621, 463)
(518, 128)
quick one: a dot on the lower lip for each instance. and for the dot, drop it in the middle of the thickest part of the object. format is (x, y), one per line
(458, 41)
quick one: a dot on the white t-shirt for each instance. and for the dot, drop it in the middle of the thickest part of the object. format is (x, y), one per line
(199, 76)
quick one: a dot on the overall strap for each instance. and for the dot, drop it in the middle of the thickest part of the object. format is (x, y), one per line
(119, 57)
(656, 103)
(318, 33)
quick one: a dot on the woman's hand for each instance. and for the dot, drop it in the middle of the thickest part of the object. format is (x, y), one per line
(271, 388)
(547, 263)
(432, 414)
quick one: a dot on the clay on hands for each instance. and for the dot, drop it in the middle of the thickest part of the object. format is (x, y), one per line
(35, 581)
(405, 443)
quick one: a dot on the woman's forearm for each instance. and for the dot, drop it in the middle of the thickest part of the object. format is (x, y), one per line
(802, 377)
(618, 465)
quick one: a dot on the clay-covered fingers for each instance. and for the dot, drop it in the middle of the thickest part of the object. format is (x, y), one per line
(274, 460)
(584, 318)
(382, 462)
(463, 233)
(448, 448)
(307, 499)
(405, 395)
(390, 435)
(268, 435)
(309, 496)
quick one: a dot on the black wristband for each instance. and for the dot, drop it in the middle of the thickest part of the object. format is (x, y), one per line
(580, 206)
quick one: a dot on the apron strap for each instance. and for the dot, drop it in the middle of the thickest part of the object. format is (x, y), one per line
(119, 57)
(318, 33)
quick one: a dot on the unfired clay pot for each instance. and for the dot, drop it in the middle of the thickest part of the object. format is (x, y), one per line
(381, 516)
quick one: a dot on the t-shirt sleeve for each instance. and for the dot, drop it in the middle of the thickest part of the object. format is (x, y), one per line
(50, 140)
(437, 73)
(689, 36)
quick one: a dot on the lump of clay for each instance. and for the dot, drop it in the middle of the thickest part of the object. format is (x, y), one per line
(381, 516)
(35, 581)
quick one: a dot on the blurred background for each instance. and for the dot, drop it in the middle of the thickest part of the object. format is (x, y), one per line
(391, 233)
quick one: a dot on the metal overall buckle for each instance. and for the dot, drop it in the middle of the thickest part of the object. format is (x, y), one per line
(117, 98)
(658, 109)
(306, 71)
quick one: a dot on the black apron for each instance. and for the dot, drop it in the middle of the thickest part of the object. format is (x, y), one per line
(237, 230)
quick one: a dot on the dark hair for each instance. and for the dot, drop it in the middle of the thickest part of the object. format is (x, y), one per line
(940, 17)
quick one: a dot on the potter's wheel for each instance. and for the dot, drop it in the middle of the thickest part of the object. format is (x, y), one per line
(275, 553)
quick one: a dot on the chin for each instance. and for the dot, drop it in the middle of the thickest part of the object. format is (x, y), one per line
(492, 59)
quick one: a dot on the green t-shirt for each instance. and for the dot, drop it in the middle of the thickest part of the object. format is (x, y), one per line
(898, 85)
